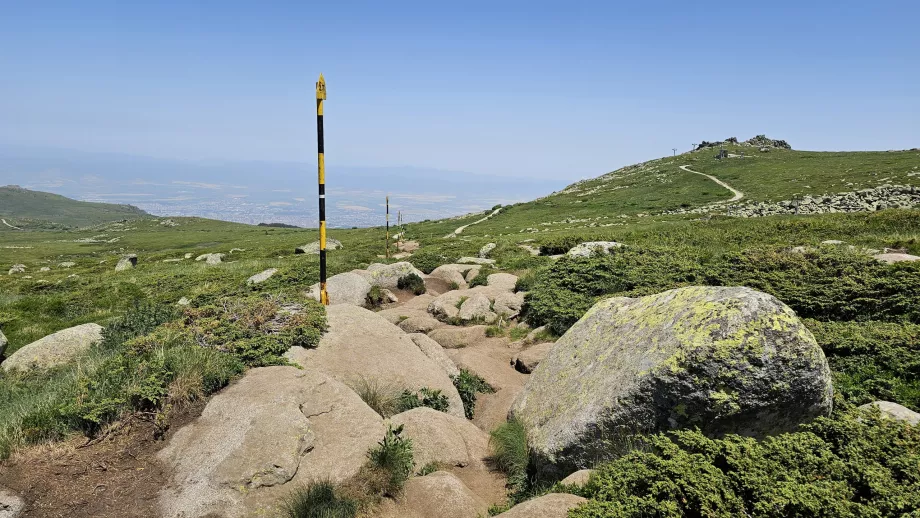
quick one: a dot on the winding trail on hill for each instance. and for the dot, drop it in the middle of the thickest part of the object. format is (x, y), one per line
(11, 226)
(460, 230)
(737, 194)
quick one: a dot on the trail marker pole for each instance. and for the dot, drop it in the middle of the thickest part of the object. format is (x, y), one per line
(321, 169)
(388, 228)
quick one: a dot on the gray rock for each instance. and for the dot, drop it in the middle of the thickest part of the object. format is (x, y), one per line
(454, 273)
(189, 255)
(261, 277)
(344, 288)
(894, 411)
(11, 504)
(486, 250)
(3, 344)
(594, 247)
(579, 478)
(388, 296)
(313, 248)
(55, 349)
(184, 301)
(213, 259)
(442, 438)
(552, 505)
(832, 242)
(508, 304)
(444, 492)
(475, 260)
(477, 308)
(67, 264)
(388, 275)
(17, 268)
(44, 269)
(726, 360)
(452, 337)
(528, 359)
(435, 352)
(502, 281)
(126, 263)
(419, 324)
(892, 258)
(276, 428)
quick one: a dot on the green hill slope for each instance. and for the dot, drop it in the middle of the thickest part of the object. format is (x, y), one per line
(34, 209)
(660, 186)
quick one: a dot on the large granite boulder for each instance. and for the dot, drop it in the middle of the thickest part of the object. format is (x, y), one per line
(277, 428)
(443, 439)
(441, 495)
(55, 349)
(361, 346)
(344, 288)
(313, 248)
(388, 275)
(435, 352)
(552, 505)
(726, 360)
(455, 273)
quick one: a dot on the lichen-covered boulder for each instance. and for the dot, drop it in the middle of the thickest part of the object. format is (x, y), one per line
(55, 349)
(724, 359)
(388, 275)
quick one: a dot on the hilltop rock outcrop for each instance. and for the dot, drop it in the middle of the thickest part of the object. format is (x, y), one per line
(55, 349)
(726, 360)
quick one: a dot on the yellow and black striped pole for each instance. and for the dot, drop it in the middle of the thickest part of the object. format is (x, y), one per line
(388, 228)
(321, 165)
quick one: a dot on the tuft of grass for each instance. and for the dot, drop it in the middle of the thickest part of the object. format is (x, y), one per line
(518, 333)
(511, 454)
(375, 296)
(319, 500)
(482, 278)
(469, 385)
(393, 456)
(426, 397)
(429, 468)
(413, 283)
(453, 286)
(493, 331)
(389, 400)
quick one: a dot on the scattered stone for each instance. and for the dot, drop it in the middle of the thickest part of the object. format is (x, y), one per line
(896, 258)
(169, 223)
(237, 250)
(44, 269)
(475, 260)
(454, 273)
(441, 438)
(313, 248)
(344, 288)
(724, 359)
(213, 259)
(552, 505)
(388, 275)
(433, 350)
(261, 277)
(594, 247)
(184, 302)
(579, 478)
(486, 250)
(55, 349)
(508, 305)
(3, 344)
(832, 242)
(173, 260)
(11, 504)
(445, 493)
(17, 268)
(528, 359)
(532, 336)
(894, 411)
(360, 345)
(276, 428)
(419, 323)
(67, 264)
(126, 263)
(451, 337)
(189, 255)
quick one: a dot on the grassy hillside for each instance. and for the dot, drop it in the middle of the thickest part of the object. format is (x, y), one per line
(34, 209)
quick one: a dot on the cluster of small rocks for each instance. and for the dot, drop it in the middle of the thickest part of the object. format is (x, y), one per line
(863, 200)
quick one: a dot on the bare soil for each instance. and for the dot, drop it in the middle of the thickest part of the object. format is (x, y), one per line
(114, 476)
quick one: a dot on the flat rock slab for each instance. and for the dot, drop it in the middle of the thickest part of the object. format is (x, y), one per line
(435, 352)
(896, 258)
(553, 505)
(594, 247)
(275, 429)
(895, 411)
(360, 345)
(344, 288)
(261, 277)
(452, 337)
(442, 495)
(55, 349)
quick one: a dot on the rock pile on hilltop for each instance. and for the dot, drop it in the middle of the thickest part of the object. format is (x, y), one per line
(760, 141)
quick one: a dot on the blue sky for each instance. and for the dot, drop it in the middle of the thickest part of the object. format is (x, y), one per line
(533, 89)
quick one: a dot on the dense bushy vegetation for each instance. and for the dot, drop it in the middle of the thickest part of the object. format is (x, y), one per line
(851, 466)
(413, 283)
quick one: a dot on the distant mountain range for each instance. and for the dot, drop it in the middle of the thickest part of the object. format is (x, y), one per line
(23, 208)
(256, 192)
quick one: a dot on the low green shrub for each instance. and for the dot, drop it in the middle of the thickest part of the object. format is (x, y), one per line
(412, 282)
(482, 277)
(389, 400)
(469, 385)
(426, 397)
(511, 454)
(427, 259)
(319, 500)
(393, 456)
(872, 361)
(853, 465)
(375, 296)
(525, 282)
(137, 321)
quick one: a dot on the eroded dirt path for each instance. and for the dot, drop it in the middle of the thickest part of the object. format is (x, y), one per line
(738, 195)
(11, 226)
(460, 229)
